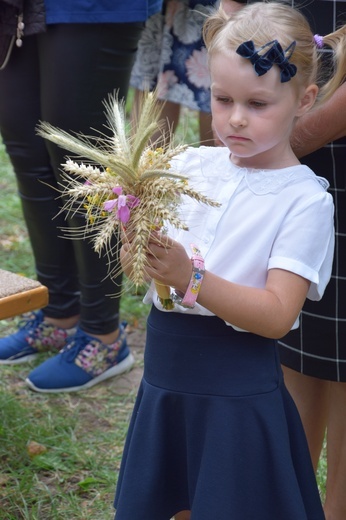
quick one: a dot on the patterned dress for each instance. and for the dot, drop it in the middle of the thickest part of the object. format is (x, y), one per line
(172, 57)
(318, 347)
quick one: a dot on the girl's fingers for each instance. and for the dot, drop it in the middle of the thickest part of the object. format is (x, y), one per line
(161, 240)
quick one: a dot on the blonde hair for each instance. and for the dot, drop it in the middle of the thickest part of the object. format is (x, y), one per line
(267, 21)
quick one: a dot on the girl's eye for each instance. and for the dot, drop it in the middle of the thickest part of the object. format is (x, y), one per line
(222, 99)
(257, 104)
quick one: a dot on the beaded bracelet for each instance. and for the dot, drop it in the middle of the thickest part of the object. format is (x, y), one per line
(198, 270)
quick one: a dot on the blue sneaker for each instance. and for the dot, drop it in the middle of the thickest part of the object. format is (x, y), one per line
(34, 336)
(84, 362)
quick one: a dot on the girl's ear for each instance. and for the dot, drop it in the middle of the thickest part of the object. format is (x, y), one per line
(307, 99)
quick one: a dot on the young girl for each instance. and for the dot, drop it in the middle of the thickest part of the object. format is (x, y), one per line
(215, 434)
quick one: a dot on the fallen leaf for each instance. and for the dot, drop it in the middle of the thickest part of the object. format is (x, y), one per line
(35, 448)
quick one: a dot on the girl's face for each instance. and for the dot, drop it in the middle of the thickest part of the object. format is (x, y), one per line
(253, 115)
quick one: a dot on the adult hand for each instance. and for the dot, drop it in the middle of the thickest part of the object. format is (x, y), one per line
(230, 6)
(321, 126)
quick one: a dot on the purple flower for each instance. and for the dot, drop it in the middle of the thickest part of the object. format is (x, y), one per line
(122, 204)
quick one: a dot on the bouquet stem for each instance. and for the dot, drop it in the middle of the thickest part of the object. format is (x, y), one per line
(164, 295)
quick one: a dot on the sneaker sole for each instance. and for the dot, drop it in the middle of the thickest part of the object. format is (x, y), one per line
(17, 361)
(124, 366)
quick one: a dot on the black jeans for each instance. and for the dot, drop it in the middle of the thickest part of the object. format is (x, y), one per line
(62, 77)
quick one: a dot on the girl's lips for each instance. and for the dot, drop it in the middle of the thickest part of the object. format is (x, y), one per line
(237, 138)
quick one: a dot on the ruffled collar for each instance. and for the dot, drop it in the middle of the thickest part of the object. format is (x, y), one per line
(264, 182)
(213, 163)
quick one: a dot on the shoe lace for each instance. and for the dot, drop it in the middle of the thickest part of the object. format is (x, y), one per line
(31, 321)
(80, 340)
(74, 345)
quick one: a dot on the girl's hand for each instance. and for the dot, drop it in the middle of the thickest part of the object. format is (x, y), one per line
(168, 262)
(167, 259)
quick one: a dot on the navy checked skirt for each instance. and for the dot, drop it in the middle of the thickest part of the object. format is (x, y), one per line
(318, 347)
(214, 429)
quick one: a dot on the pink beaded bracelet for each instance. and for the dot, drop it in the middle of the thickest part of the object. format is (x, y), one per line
(198, 270)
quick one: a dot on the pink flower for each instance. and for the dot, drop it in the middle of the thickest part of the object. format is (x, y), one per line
(197, 69)
(166, 81)
(122, 204)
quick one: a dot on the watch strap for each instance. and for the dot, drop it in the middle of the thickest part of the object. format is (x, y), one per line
(198, 270)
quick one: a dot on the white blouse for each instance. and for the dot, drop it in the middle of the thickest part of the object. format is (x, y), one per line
(267, 219)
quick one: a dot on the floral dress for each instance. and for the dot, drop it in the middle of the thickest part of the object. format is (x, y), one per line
(172, 57)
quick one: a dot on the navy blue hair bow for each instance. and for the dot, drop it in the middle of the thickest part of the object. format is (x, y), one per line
(274, 56)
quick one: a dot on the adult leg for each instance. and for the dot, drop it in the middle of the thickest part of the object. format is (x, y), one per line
(20, 110)
(205, 129)
(82, 65)
(170, 114)
(335, 504)
(312, 398)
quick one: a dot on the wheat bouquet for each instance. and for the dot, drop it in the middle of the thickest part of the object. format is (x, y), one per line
(123, 182)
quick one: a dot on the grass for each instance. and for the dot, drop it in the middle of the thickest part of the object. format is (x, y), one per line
(60, 454)
(15, 251)
(74, 475)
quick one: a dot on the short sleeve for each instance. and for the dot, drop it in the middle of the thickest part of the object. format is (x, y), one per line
(305, 242)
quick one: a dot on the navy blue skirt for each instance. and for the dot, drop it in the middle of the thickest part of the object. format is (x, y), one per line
(214, 429)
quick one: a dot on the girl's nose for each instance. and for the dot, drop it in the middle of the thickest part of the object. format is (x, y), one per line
(237, 118)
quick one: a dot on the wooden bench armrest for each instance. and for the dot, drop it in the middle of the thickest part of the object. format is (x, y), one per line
(19, 294)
